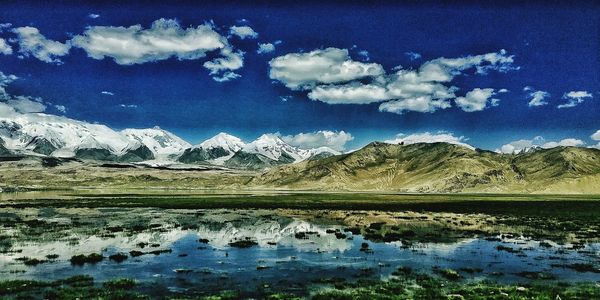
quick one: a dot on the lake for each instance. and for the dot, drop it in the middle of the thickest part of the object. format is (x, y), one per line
(256, 252)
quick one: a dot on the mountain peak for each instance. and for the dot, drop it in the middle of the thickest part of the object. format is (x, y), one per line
(223, 140)
(268, 138)
(273, 147)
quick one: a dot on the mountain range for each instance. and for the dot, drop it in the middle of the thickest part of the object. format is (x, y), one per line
(443, 167)
(55, 136)
(405, 167)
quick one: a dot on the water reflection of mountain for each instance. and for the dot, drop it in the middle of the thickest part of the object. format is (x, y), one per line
(281, 231)
(219, 229)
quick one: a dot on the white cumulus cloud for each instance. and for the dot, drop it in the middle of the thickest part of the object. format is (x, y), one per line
(570, 142)
(32, 42)
(335, 140)
(243, 32)
(419, 104)
(265, 48)
(230, 61)
(596, 136)
(538, 142)
(353, 93)
(574, 98)
(5, 48)
(427, 137)
(135, 45)
(164, 39)
(477, 100)
(331, 76)
(23, 104)
(323, 66)
(11, 105)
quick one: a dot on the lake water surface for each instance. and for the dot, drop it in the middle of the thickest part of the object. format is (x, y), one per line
(199, 252)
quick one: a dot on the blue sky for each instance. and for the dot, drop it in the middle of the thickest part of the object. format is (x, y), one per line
(549, 51)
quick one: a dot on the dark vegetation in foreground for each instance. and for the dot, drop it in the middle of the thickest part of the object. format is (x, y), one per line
(516, 204)
(76, 287)
(403, 285)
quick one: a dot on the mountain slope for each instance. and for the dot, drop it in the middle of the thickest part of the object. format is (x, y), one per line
(3, 150)
(438, 167)
(558, 162)
(256, 161)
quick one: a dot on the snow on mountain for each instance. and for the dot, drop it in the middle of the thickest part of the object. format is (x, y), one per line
(39, 133)
(62, 137)
(273, 147)
(215, 150)
(223, 140)
(161, 142)
(63, 134)
(318, 152)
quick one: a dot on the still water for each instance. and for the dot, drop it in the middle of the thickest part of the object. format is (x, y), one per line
(198, 252)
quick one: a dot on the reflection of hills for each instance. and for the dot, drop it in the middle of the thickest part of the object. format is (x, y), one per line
(280, 231)
(219, 229)
(91, 244)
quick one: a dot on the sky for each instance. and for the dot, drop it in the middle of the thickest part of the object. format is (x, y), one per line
(492, 76)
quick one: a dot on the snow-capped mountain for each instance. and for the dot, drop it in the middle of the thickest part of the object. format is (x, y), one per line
(43, 134)
(60, 136)
(215, 150)
(161, 142)
(321, 152)
(275, 148)
(223, 140)
(50, 135)
(269, 150)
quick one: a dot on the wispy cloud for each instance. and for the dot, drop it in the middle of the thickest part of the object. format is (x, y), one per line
(537, 98)
(412, 55)
(122, 105)
(574, 98)
(32, 42)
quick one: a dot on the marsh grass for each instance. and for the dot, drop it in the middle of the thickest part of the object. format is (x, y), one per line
(77, 287)
(82, 259)
(409, 285)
